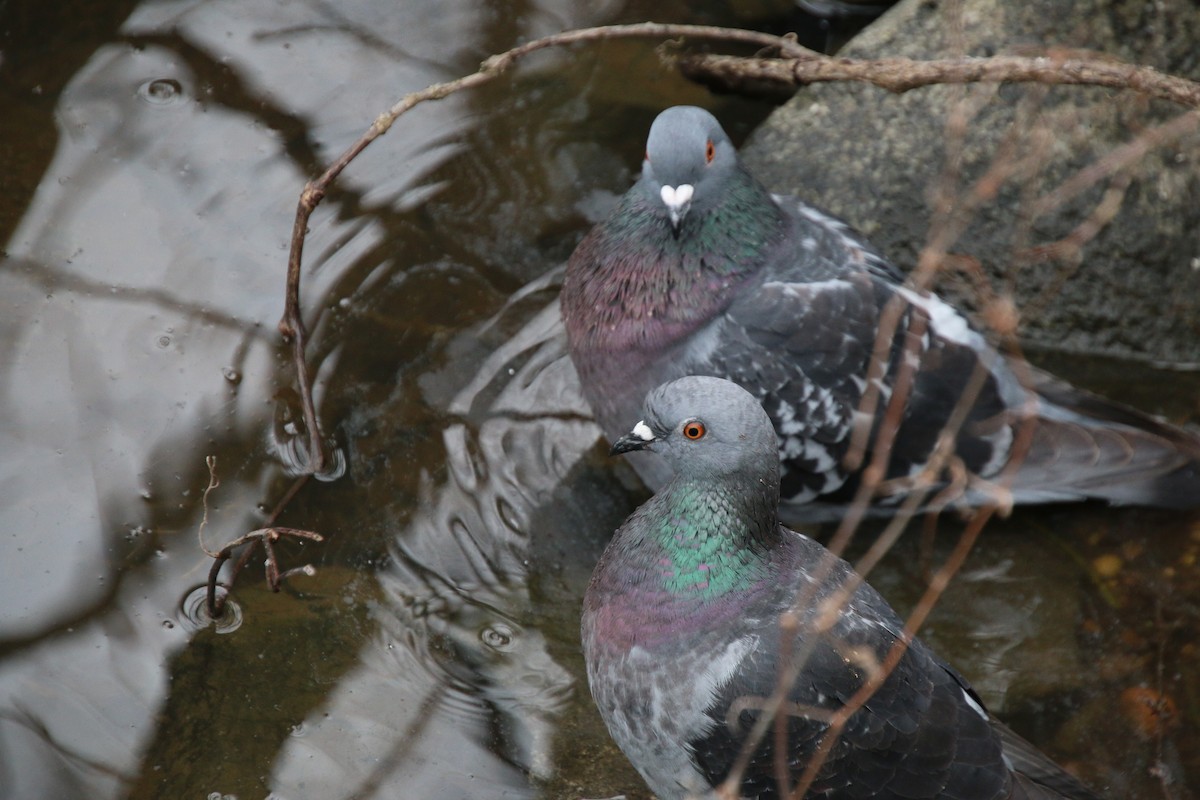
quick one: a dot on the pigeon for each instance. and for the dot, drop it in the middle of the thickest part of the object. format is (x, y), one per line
(683, 641)
(700, 270)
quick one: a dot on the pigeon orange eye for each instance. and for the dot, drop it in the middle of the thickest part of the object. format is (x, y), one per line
(694, 430)
(710, 152)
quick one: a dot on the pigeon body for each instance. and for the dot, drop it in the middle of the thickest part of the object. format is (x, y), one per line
(701, 271)
(682, 637)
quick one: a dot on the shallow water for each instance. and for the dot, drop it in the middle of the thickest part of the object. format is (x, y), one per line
(156, 152)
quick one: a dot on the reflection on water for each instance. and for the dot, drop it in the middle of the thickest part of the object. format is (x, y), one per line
(435, 651)
(141, 290)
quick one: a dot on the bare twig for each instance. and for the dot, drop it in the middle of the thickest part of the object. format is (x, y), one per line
(937, 585)
(1069, 250)
(266, 537)
(1118, 160)
(900, 75)
(1162, 710)
(934, 258)
(860, 436)
(213, 482)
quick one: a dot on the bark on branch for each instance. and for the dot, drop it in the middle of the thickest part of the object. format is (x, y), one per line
(900, 75)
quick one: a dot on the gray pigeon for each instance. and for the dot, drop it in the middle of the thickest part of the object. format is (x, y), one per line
(701, 271)
(681, 633)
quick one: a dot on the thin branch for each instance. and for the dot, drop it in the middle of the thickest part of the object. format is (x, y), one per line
(1068, 250)
(860, 436)
(941, 461)
(937, 586)
(213, 482)
(216, 604)
(901, 75)
(266, 537)
(1117, 160)
(1161, 711)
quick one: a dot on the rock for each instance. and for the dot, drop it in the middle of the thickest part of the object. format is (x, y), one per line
(874, 158)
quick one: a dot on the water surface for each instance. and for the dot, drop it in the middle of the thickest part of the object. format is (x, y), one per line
(156, 152)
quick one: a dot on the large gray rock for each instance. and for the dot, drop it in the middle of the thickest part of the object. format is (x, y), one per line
(873, 158)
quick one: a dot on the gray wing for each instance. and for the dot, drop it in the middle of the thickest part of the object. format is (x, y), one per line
(1084, 446)
(921, 735)
(802, 349)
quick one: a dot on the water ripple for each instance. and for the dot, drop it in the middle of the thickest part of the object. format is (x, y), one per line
(161, 92)
(194, 616)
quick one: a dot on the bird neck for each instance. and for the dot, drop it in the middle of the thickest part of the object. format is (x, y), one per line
(710, 538)
(693, 559)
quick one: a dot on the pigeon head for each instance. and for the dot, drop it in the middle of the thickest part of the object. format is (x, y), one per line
(688, 159)
(706, 427)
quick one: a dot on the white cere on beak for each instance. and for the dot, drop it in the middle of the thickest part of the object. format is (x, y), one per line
(677, 199)
(643, 432)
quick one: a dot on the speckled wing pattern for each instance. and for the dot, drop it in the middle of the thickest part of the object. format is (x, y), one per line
(802, 339)
(1084, 446)
(800, 349)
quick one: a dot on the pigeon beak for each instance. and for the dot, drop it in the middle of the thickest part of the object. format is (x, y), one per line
(677, 199)
(639, 438)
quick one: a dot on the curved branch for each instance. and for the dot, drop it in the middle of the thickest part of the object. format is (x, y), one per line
(900, 75)
(291, 326)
